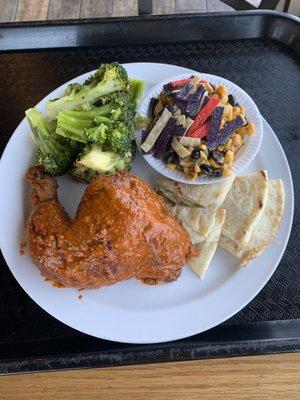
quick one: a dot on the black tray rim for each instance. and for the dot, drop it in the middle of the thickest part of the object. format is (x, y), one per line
(268, 337)
(17, 36)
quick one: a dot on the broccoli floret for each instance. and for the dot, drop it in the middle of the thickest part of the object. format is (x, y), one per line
(121, 132)
(111, 124)
(121, 104)
(54, 153)
(107, 79)
(136, 90)
(84, 126)
(72, 89)
(94, 160)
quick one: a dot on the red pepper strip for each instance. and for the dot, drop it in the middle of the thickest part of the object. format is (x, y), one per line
(204, 113)
(180, 82)
(200, 132)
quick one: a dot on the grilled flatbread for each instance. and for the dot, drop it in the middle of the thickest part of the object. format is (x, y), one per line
(244, 205)
(210, 195)
(264, 232)
(208, 247)
(196, 221)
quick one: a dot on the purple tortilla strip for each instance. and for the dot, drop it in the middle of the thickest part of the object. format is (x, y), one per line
(224, 133)
(179, 130)
(172, 108)
(194, 107)
(152, 104)
(164, 138)
(169, 89)
(214, 127)
(184, 92)
(230, 128)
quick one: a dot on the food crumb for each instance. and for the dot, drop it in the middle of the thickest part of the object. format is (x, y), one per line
(80, 296)
(53, 283)
(23, 244)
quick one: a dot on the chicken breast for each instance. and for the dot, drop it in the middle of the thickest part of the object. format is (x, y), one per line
(122, 230)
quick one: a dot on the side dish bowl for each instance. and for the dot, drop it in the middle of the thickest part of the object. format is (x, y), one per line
(242, 158)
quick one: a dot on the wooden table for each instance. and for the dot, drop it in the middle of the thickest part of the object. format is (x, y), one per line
(273, 377)
(263, 377)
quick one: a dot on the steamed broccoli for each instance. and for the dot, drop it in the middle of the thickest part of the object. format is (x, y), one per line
(84, 126)
(136, 89)
(95, 160)
(98, 116)
(72, 89)
(111, 124)
(107, 79)
(55, 153)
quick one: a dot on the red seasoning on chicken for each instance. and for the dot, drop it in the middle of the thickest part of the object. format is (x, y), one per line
(122, 230)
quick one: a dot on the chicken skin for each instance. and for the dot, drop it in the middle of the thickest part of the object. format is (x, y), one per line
(122, 230)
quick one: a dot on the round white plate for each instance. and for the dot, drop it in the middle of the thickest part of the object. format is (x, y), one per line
(130, 311)
(244, 156)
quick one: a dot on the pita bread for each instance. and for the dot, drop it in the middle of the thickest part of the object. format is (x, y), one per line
(244, 205)
(208, 247)
(196, 221)
(211, 195)
(265, 230)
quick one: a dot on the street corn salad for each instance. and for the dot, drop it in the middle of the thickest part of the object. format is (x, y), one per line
(196, 128)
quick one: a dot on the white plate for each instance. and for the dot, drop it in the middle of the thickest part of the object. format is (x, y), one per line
(130, 311)
(244, 156)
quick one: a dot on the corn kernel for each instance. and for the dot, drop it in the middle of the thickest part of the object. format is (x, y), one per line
(227, 111)
(228, 156)
(186, 170)
(203, 148)
(171, 166)
(235, 111)
(213, 163)
(241, 131)
(197, 168)
(226, 172)
(250, 128)
(222, 90)
(228, 144)
(242, 111)
(193, 175)
(204, 160)
(236, 139)
(224, 98)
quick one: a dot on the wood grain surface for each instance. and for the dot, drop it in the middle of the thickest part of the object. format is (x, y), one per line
(36, 10)
(273, 377)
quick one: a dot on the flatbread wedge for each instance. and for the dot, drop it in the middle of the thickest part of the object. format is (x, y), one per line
(208, 247)
(211, 195)
(265, 230)
(244, 205)
(196, 221)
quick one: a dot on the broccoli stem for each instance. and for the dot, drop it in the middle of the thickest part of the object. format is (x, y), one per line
(54, 153)
(101, 111)
(83, 126)
(136, 89)
(109, 78)
(42, 133)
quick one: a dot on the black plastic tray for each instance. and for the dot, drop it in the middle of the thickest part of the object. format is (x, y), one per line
(257, 50)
